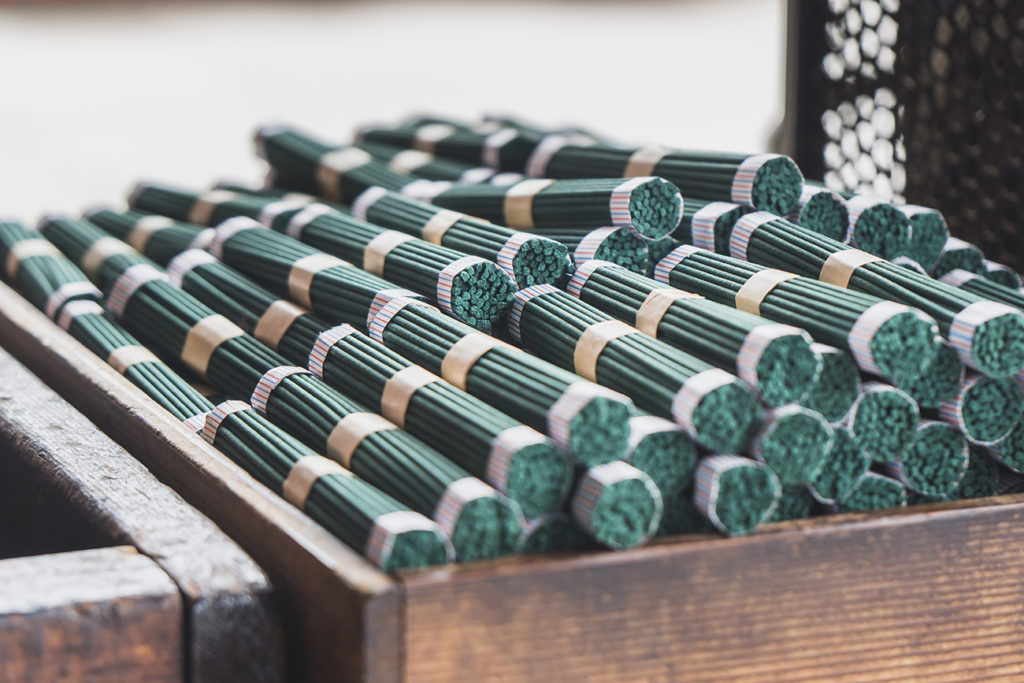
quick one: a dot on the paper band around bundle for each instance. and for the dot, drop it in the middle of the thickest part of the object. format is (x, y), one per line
(365, 201)
(399, 389)
(98, 253)
(643, 426)
(537, 164)
(518, 208)
(446, 278)
(350, 431)
(510, 250)
(203, 239)
(519, 301)
(389, 526)
(966, 323)
(592, 343)
(26, 249)
(424, 190)
(435, 228)
(67, 292)
(126, 356)
(663, 269)
(656, 305)
(325, 341)
(377, 250)
(693, 391)
(504, 447)
(706, 486)
(183, 264)
(270, 212)
(203, 208)
(863, 331)
(408, 160)
(619, 205)
(128, 283)
(475, 175)
(578, 280)
(598, 478)
(426, 137)
(77, 308)
(757, 342)
(215, 417)
(276, 321)
(454, 499)
(744, 229)
(643, 161)
(382, 297)
(567, 406)
(195, 423)
(336, 163)
(269, 382)
(304, 474)
(300, 277)
(587, 248)
(145, 228)
(839, 267)
(958, 276)
(742, 189)
(303, 218)
(228, 229)
(379, 322)
(204, 338)
(493, 143)
(702, 225)
(758, 286)
(464, 354)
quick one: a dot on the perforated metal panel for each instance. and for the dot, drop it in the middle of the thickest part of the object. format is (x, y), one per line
(915, 101)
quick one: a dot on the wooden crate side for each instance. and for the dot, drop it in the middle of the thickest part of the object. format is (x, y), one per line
(932, 595)
(329, 595)
(107, 614)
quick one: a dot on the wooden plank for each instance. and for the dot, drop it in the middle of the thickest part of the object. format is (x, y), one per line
(931, 594)
(108, 614)
(341, 615)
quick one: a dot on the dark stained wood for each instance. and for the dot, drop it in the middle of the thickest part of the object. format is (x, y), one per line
(923, 595)
(341, 615)
(108, 614)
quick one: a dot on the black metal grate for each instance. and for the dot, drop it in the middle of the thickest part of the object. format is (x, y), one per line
(921, 101)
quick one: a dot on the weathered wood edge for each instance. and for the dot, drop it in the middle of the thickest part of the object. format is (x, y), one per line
(119, 616)
(332, 599)
(917, 594)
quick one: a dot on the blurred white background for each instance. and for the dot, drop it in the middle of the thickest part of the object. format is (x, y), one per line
(93, 98)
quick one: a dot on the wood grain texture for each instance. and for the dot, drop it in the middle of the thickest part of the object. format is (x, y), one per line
(341, 614)
(99, 615)
(931, 594)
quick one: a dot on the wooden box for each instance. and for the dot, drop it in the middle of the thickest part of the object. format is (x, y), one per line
(930, 593)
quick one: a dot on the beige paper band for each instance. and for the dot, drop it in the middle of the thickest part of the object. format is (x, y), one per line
(427, 137)
(300, 277)
(350, 432)
(123, 358)
(438, 225)
(202, 210)
(23, 250)
(335, 164)
(203, 339)
(408, 160)
(519, 202)
(398, 391)
(839, 266)
(643, 161)
(303, 474)
(592, 342)
(144, 229)
(378, 249)
(757, 287)
(654, 307)
(275, 321)
(464, 354)
(100, 251)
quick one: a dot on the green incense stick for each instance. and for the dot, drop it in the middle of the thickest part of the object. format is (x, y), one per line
(794, 442)
(775, 359)
(844, 466)
(874, 492)
(651, 207)
(982, 477)
(736, 494)
(957, 253)
(928, 234)
(664, 452)
(885, 338)
(796, 502)
(504, 149)
(940, 383)
(1003, 275)
(617, 505)
(984, 286)
(985, 409)
(878, 227)
(556, 532)
(715, 408)
(823, 211)
(935, 461)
